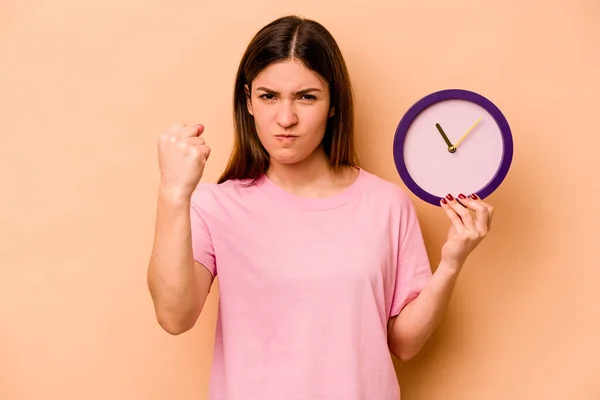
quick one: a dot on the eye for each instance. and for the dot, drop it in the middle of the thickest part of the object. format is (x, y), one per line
(308, 97)
(267, 96)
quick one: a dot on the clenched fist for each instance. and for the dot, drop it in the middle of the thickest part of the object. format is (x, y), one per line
(182, 154)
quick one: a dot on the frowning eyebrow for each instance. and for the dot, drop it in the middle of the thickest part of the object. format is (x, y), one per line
(298, 93)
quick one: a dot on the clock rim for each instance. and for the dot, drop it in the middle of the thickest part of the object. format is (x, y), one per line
(443, 95)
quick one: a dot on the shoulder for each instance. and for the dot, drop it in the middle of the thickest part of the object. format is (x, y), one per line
(386, 192)
(214, 195)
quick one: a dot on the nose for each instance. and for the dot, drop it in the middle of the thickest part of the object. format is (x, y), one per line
(286, 114)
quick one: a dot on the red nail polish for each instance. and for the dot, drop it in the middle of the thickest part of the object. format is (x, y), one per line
(444, 201)
(449, 196)
(462, 196)
(474, 196)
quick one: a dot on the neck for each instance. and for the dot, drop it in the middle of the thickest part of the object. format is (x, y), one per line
(311, 177)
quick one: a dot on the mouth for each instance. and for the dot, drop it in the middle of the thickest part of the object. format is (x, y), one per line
(286, 138)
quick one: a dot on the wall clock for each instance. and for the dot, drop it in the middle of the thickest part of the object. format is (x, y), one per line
(453, 141)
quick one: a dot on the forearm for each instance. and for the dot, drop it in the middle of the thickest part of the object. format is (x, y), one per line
(420, 318)
(171, 276)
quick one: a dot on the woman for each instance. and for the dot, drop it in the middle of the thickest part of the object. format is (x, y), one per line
(322, 266)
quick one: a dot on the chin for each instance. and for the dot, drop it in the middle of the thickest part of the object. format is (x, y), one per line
(288, 157)
(287, 160)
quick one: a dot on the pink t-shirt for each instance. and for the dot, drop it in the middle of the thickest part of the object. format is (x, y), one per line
(307, 287)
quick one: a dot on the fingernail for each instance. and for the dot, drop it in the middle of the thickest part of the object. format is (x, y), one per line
(474, 196)
(449, 196)
(444, 201)
(462, 196)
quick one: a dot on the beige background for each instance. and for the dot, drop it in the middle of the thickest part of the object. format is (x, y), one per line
(86, 86)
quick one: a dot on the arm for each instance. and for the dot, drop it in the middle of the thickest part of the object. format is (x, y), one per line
(409, 331)
(178, 285)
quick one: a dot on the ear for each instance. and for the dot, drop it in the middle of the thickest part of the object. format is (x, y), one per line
(332, 112)
(248, 99)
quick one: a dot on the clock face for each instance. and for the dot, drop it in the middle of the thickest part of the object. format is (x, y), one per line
(453, 141)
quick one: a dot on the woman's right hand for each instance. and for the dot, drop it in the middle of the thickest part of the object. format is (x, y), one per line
(182, 154)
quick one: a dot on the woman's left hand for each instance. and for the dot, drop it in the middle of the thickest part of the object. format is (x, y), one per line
(471, 222)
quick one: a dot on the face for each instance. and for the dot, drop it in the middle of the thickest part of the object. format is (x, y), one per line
(290, 105)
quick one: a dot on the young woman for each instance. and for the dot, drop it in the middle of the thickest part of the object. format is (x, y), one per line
(322, 267)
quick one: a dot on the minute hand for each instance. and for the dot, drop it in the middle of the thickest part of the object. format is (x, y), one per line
(467, 132)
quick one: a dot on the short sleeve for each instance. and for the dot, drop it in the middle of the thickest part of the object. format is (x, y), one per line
(413, 268)
(202, 244)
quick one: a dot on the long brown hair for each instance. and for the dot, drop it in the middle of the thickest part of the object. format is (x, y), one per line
(309, 42)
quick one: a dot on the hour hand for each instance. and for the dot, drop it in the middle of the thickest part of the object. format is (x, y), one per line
(439, 128)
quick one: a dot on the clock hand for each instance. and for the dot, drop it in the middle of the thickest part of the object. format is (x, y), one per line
(439, 128)
(468, 131)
